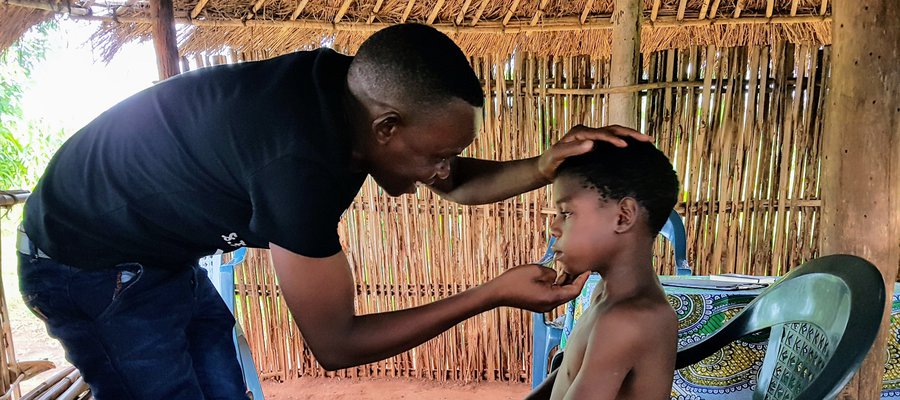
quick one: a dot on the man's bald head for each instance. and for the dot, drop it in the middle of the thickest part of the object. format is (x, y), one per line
(413, 65)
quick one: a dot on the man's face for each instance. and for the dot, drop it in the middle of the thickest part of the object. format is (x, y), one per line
(423, 145)
(584, 225)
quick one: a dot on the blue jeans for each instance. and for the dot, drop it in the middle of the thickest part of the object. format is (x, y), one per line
(135, 332)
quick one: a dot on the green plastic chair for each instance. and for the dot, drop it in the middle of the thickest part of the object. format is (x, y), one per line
(824, 317)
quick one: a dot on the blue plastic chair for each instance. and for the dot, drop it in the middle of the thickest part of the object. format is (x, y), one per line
(547, 334)
(222, 277)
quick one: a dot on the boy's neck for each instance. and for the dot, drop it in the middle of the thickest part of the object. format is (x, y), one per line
(629, 273)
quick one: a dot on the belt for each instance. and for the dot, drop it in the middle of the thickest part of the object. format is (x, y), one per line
(25, 246)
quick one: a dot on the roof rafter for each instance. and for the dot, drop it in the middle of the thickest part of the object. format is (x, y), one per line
(343, 10)
(299, 9)
(539, 13)
(587, 10)
(793, 7)
(703, 9)
(738, 8)
(655, 11)
(512, 10)
(375, 11)
(479, 12)
(681, 6)
(407, 10)
(770, 8)
(714, 9)
(462, 12)
(435, 12)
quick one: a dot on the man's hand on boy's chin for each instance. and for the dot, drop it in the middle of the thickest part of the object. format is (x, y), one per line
(534, 288)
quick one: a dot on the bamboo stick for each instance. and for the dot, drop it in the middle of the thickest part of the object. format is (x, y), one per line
(337, 18)
(462, 12)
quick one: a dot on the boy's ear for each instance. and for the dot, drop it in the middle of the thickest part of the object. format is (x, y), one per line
(628, 215)
(385, 126)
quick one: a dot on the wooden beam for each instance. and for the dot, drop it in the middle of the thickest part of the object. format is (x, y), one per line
(624, 61)
(861, 157)
(714, 9)
(738, 8)
(299, 9)
(198, 8)
(655, 11)
(256, 6)
(162, 17)
(793, 7)
(510, 12)
(479, 12)
(123, 7)
(682, 4)
(587, 10)
(435, 12)
(343, 10)
(770, 8)
(703, 9)
(406, 11)
(540, 12)
(375, 11)
(824, 7)
(462, 12)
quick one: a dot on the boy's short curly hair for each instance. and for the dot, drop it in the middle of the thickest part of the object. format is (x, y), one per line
(640, 171)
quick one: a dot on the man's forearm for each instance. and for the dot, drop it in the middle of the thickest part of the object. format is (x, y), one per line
(374, 337)
(476, 181)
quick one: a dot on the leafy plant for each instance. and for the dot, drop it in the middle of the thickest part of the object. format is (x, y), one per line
(23, 150)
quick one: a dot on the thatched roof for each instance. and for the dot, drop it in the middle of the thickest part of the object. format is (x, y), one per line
(479, 26)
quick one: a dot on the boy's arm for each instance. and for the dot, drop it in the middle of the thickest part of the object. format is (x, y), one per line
(615, 343)
(544, 389)
(475, 181)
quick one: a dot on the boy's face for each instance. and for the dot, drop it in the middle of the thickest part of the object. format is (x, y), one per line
(585, 225)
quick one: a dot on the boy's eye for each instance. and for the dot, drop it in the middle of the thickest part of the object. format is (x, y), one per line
(565, 214)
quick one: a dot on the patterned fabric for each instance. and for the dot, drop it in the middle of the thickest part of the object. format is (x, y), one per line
(731, 372)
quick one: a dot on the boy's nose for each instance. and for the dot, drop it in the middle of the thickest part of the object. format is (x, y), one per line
(554, 226)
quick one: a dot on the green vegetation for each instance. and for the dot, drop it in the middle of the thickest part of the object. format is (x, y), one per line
(25, 146)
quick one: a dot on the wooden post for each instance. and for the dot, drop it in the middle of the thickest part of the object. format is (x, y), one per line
(624, 69)
(162, 17)
(861, 163)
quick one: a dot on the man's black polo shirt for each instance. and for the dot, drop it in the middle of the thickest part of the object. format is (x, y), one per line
(217, 158)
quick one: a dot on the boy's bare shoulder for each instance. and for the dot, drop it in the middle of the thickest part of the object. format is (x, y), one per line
(643, 316)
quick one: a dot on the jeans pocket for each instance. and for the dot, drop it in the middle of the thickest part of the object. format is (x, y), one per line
(32, 301)
(98, 293)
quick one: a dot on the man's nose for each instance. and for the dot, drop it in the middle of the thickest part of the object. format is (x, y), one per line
(443, 169)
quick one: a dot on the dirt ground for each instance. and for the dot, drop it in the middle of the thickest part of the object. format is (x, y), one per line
(393, 388)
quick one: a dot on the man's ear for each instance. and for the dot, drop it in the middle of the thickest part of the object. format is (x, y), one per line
(385, 126)
(628, 214)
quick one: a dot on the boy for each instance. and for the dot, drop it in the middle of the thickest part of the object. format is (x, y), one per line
(612, 202)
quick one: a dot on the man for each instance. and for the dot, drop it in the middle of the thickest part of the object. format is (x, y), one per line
(262, 154)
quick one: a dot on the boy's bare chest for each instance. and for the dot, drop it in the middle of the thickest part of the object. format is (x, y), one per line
(578, 340)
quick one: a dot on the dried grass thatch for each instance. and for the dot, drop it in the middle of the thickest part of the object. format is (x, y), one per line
(500, 27)
(15, 21)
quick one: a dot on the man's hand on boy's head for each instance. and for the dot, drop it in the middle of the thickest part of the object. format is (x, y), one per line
(534, 287)
(579, 140)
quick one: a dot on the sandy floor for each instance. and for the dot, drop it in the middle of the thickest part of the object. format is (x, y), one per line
(395, 388)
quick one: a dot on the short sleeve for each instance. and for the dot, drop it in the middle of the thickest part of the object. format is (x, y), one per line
(295, 206)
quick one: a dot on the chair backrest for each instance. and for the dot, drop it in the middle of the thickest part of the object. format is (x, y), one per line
(674, 231)
(824, 317)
